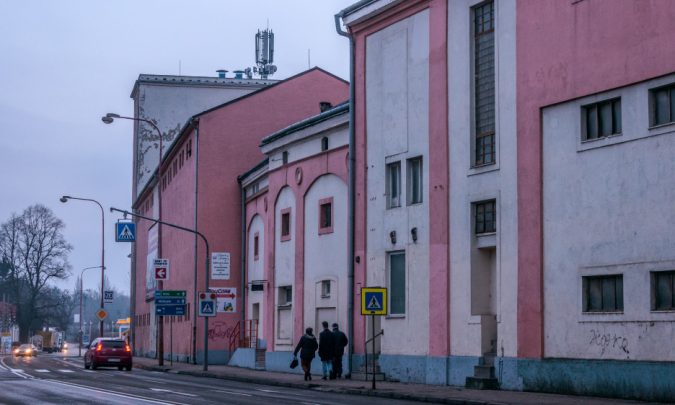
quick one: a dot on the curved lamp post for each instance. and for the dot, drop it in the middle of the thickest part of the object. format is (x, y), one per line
(65, 199)
(79, 346)
(108, 119)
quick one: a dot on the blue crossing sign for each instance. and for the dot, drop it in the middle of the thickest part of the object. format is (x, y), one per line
(373, 301)
(207, 304)
(125, 232)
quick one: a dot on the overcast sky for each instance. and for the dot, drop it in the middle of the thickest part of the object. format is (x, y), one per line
(64, 64)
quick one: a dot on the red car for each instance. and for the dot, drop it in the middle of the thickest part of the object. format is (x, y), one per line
(108, 352)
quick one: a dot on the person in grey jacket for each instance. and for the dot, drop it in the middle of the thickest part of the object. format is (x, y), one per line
(307, 347)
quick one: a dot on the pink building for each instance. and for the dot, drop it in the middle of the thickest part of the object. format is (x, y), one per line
(199, 190)
(297, 236)
(512, 163)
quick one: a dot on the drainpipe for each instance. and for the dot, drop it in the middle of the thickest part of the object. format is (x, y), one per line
(352, 195)
(244, 241)
(195, 303)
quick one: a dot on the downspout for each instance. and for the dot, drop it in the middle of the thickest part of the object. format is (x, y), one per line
(352, 195)
(195, 303)
(244, 241)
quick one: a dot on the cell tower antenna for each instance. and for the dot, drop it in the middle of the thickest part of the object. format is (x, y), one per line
(264, 53)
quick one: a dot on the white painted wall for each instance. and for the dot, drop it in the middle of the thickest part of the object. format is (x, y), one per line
(608, 210)
(256, 270)
(468, 185)
(326, 255)
(397, 84)
(169, 104)
(284, 261)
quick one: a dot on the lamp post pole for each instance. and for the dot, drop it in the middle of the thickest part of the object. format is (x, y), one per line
(108, 119)
(79, 348)
(64, 199)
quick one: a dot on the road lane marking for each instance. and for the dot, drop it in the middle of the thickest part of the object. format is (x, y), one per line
(42, 370)
(233, 393)
(260, 389)
(63, 370)
(115, 393)
(173, 392)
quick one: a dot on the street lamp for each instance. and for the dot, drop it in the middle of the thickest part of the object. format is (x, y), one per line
(108, 119)
(79, 348)
(65, 199)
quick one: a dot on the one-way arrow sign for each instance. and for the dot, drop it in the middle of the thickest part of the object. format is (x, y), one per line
(161, 269)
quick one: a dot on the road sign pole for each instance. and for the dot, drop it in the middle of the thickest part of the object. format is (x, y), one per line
(373, 318)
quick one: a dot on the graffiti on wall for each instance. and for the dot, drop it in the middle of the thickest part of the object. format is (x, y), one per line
(219, 331)
(608, 341)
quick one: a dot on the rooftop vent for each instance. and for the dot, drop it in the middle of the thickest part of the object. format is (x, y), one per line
(238, 74)
(221, 73)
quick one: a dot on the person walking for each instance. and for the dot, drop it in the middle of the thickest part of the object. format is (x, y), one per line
(307, 347)
(326, 350)
(340, 343)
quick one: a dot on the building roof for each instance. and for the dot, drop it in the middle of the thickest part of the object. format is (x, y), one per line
(196, 81)
(254, 169)
(342, 108)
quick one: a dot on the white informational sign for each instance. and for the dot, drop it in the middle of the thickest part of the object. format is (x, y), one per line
(226, 299)
(108, 298)
(150, 282)
(220, 266)
(76, 318)
(161, 269)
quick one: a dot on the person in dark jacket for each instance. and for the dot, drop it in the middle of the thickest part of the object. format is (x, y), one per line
(340, 343)
(326, 350)
(307, 347)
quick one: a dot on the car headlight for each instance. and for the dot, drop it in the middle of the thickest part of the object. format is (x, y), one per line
(16, 350)
(28, 350)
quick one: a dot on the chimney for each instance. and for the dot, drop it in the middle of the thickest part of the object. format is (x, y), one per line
(325, 106)
(238, 74)
(221, 73)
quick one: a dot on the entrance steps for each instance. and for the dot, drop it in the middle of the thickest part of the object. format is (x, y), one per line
(484, 374)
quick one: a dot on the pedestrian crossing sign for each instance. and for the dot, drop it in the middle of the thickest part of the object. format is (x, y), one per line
(125, 232)
(207, 306)
(373, 301)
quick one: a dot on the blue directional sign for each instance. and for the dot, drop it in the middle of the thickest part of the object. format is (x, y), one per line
(170, 301)
(167, 310)
(125, 232)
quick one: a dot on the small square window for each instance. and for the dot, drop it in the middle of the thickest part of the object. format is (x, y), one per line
(663, 290)
(485, 217)
(324, 143)
(188, 148)
(393, 186)
(662, 103)
(284, 157)
(286, 295)
(603, 293)
(326, 215)
(414, 180)
(325, 289)
(285, 224)
(256, 245)
(602, 119)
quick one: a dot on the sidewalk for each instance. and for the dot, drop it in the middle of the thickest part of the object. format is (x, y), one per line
(413, 392)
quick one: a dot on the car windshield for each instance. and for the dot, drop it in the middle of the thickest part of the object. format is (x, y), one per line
(25, 347)
(114, 344)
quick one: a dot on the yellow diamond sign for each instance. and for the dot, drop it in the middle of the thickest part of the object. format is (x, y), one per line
(101, 314)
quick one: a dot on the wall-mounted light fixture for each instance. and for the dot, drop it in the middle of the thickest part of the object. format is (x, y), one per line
(413, 233)
(392, 236)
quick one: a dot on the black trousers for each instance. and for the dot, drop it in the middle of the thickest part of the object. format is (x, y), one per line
(337, 366)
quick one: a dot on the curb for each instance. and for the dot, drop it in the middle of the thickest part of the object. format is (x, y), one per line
(323, 388)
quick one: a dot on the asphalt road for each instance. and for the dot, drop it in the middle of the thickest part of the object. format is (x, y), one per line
(62, 379)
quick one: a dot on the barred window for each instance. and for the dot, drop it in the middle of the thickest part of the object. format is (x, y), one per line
(484, 83)
(602, 119)
(603, 293)
(485, 217)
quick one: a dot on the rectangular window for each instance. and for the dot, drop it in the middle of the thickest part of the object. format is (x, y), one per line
(286, 295)
(397, 283)
(485, 217)
(484, 83)
(603, 293)
(256, 245)
(324, 143)
(393, 186)
(285, 224)
(663, 290)
(414, 181)
(284, 157)
(601, 119)
(188, 149)
(326, 215)
(662, 102)
(325, 289)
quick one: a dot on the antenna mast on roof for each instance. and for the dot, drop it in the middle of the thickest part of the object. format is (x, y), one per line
(264, 53)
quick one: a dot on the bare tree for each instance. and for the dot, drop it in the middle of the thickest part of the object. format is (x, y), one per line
(36, 252)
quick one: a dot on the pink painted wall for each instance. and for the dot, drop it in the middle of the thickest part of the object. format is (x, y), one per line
(331, 162)
(567, 50)
(439, 262)
(228, 146)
